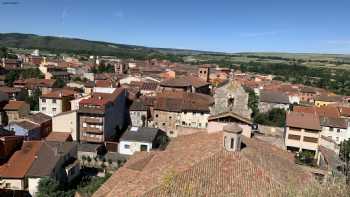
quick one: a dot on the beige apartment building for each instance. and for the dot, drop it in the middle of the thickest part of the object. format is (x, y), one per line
(56, 102)
(102, 117)
(302, 132)
(16, 110)
(66, 122)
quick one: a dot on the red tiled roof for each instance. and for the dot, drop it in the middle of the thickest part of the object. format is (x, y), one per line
(344, 111)
(32, 83)
(21, 160)
(94, 101)
(59, 94)
(199, 162)
(327, 111)
(303, 120)
(15, 105)
(104, 83)
(59, 137)
(101, 99)
(184, 81)
(182, 101)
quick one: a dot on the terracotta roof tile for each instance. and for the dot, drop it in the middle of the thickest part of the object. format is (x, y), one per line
(15, 105)
(21, 160)
(344, 111)
(59, 137)
(199, 161)
(104, 83)
(59, 94)
(303, 120)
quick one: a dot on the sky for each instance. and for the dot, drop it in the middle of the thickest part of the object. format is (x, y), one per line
(319, 26)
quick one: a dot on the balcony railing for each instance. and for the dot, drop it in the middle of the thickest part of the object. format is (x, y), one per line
(91, 130)
(91, 139)
(93, 120)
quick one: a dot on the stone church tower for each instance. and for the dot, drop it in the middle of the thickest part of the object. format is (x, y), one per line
(231, 97)
(232, 137)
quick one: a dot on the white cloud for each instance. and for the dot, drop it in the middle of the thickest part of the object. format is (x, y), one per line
(64, 14)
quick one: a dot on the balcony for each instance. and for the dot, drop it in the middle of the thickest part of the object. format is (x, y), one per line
(91, 139)
(93, 120)
(91, 130)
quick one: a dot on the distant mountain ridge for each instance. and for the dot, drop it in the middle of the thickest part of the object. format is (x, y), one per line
(63, 44)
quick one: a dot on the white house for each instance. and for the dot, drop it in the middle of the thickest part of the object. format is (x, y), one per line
(138, 139)
(336, 129)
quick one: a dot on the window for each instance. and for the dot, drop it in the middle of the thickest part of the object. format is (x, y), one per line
(338, 130)
(163, 123)
(232, 142)
(294, 129)
(183, 123)
(310, 139)
(53, 100)
(200, 72)
(330, 128)
(230, 102)
(143, 147)
(199, 124)
(156, 115)
(337, 139)
(127, 146)
(293, 137)
(171, 132)
(43, 109)
(169, 117)
(43, 100)
(53, 109)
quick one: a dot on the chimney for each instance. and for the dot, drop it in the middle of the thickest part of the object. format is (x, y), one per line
(60, 95)
(232, 137)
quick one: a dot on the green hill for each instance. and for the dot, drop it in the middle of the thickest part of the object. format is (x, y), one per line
(81, 46)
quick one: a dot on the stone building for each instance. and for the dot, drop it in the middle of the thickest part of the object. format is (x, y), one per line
(175, 112)
(231, 97)
(138, 113)
(273, 100)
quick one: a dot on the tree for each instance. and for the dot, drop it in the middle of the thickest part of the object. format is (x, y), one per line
(11, 76)
(253, 101)
(33, 100)
(49, 187)
(275, 117)
(59, 83)
(3, 52)
(306, 157)
(344, 155)
(87, 188)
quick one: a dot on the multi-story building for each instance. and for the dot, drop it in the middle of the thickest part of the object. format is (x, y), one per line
(325, 100)
(139, 113)
(302, 132)
(103, 117)
(120, 67)
(175, 110)
(56, 102)
(16, 110)
(185, 84)
(336, 129)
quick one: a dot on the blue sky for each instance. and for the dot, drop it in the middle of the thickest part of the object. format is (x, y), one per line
(218, 25)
